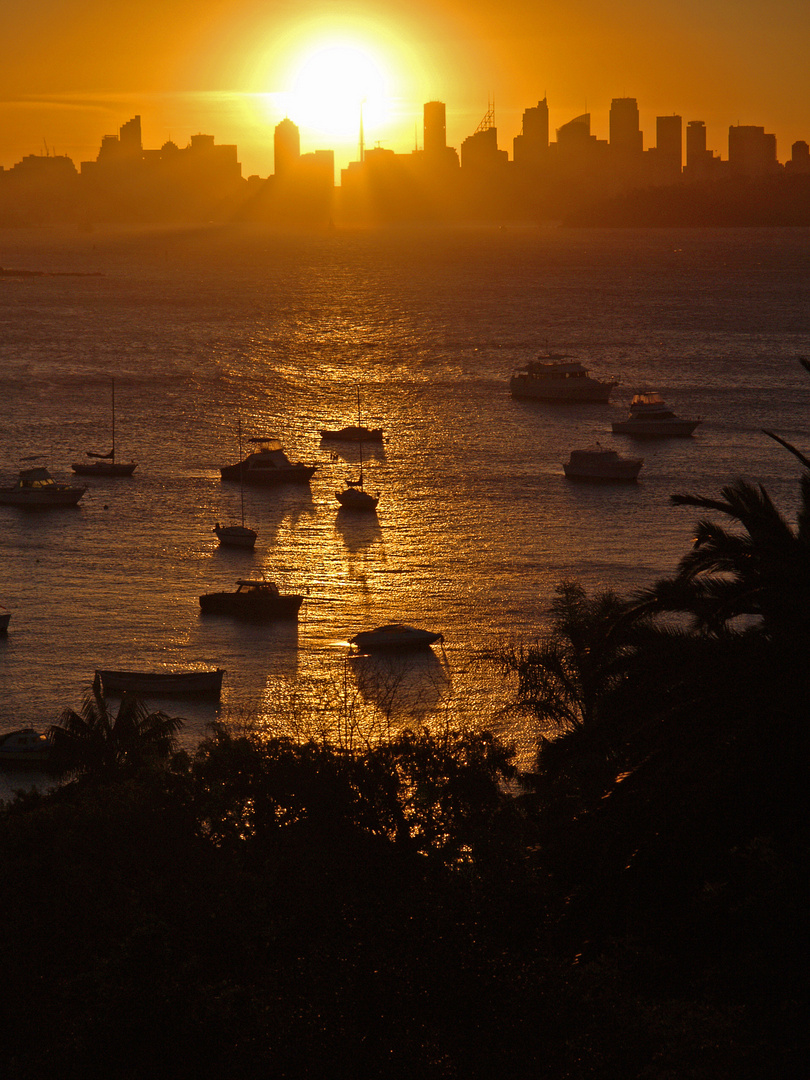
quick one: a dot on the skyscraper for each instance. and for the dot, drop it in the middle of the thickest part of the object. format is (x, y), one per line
(530, 148)
(286, 148)
(435, 131)
(625, 135)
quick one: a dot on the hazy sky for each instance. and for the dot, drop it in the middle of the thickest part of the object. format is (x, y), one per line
(75, 70)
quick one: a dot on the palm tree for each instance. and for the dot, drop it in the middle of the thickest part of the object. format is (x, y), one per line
(565, 677)
(94, 739)
(761, 572)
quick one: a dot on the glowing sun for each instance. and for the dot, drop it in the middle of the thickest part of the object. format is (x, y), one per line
(332, 82)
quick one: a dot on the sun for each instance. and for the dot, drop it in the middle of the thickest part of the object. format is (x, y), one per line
(332, 82)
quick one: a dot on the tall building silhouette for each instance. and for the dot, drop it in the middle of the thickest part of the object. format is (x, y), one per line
(625, 135)
(286, 148)
(669, 139)
(751, 152)
(435, 129)
(530, 147)
(479, 151)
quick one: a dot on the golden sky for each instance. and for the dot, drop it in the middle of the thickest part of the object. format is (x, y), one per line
(75, 70)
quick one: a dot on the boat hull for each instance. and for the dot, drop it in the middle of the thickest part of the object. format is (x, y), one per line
(5, 619)
(163, 683)
(352, 499)
(524, 386)
(104, 468)
(353, 434)
(655, 429)
(238, 536)
(38, 500)
(270, 475)
(246, 606)
(394, 638)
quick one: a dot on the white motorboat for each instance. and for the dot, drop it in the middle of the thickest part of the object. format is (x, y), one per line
(36, 488)
(651, 418)
(105, 464)
(397, 636)
(597, 464)
(556, 377)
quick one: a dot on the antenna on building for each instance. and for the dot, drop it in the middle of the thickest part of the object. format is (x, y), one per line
(489, 120)
(362, 142)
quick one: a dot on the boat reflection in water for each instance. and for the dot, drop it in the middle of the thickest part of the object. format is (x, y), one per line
(358, 531)
(403, 686)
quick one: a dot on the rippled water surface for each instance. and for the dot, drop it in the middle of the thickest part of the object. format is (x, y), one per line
(476, 522)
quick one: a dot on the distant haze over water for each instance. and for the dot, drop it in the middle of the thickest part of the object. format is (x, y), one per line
(476, 522)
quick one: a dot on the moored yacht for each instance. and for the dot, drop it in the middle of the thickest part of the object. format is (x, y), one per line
(268, 465)
(254, 598)
(597, 464)
(556, 377)
(37, 488)
(651, 418)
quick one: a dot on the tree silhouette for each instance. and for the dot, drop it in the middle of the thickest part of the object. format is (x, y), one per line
(762, 572)
(95, 739)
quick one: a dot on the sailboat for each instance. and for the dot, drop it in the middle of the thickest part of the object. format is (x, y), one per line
(105, 464)
(354, 497)
(237, 535)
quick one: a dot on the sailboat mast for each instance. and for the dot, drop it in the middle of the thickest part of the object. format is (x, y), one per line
(241, 471)
(112, 457)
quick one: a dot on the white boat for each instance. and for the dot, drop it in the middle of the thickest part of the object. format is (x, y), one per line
(193, 683)
(105, 464)
(37, 488)
(237, 535)
(651, 418)
(556, 377)
(597, 464)
(24, 746)
(269, 465)
(397, 636)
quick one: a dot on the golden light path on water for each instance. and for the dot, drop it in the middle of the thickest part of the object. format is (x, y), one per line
(476, 523)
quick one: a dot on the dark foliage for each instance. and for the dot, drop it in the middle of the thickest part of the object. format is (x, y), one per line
(414, 909)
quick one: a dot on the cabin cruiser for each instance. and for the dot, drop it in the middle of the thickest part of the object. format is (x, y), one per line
(598, 464)
(650, 417)
(254, 598)
(268, 465)
(37, 488)
(25, 746)
(394, 636)
(556, 377)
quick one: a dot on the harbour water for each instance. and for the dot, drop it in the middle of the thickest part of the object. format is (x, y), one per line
(476, 522)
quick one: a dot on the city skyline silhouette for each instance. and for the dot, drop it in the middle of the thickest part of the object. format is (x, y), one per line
(546, 175)
(67, 79)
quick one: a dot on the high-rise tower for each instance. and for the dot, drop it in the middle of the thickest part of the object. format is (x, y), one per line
(625, 135)
(286, 148)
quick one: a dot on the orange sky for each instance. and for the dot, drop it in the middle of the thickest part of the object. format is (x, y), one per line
(75, 70)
